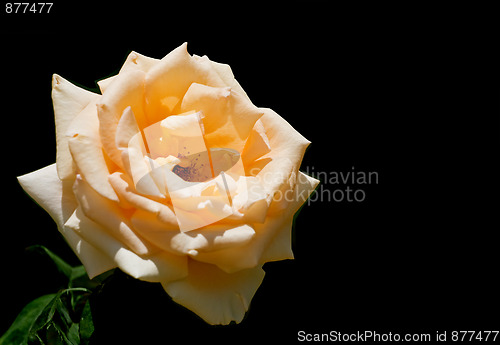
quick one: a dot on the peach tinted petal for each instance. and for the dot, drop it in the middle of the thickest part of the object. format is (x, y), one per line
(167, 81)
(104, 83)
(111, 217)
(134, 61)
(69, 100)
(86, 150)
(227, 76)
(126, 128)
(217, 297)
(126, 90)
(150, 227)
(272, 238)
(125, 189)
(139, 168)
(52, 194)
(213, 238)
(287, 150)
(138, 61)
(228, 115)
(135, 155)
(280, 246)
(161, 266)
(94, 261)
(256, 146)
(56, 197)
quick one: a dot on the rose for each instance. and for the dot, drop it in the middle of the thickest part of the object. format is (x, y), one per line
(172, 176)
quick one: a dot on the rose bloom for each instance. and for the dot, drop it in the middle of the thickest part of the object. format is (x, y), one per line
(174, 176)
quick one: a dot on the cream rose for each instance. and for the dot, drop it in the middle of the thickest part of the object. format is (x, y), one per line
(174, 176)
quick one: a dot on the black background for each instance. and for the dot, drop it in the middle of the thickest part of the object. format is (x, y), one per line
(396, 90)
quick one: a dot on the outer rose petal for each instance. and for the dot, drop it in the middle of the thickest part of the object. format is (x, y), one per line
(133, 61)
(69, 100)
(138, 61)
(111, 217)
(56, 197)
(161, 266)
(214, 295)
(86, 149)
(283, 161)
(226, 74)
(280, 247)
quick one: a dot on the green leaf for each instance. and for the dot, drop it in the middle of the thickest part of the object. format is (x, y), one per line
(74, 334)
(78, 272)
(55, 321)
(18, 332)
(77, 276)
(62, 318)
(86, 324)
(60, 264)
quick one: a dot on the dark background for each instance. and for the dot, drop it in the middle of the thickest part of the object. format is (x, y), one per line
(396, 90)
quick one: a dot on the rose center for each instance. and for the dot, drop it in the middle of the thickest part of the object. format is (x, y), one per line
(203, 166)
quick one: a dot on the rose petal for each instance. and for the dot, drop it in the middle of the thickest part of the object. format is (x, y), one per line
(211, 238)
(212, 101)
(86, 149)
(69, 100)
(150, 227)
(112, 218)
(280, 246)
(94, 261)
(135, 155)
(263, 246)
(126, 192)
(167, 81)
(288, 148)
(250, 199)
(134, 61)
(214, 295)
(158, 267)
(104, 83)
(125, 90)
(52, 194)
(229, 116)
(56, 197)
(138, 61)
(256, 146)
(192, 207)
(226, 74)
(126, 129)
(137, 164)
